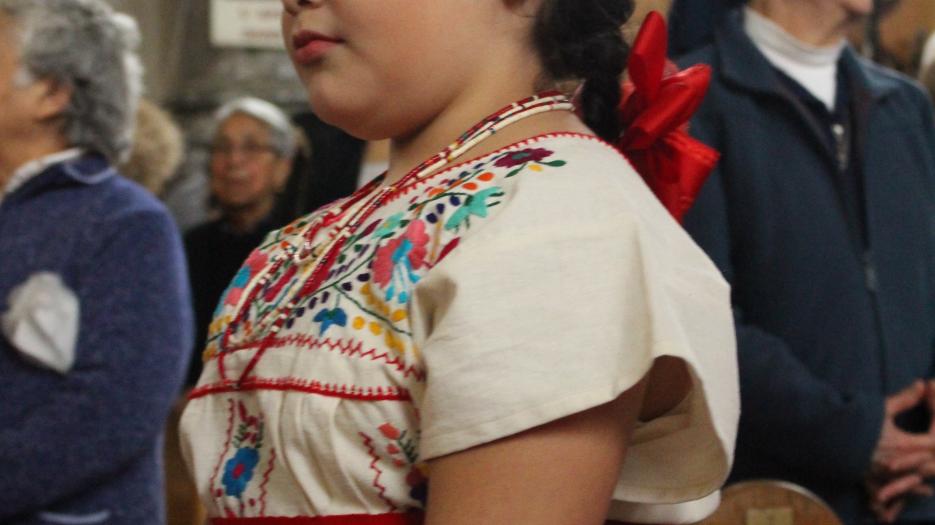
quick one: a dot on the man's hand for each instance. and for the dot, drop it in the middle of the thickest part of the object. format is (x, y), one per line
(902, 461)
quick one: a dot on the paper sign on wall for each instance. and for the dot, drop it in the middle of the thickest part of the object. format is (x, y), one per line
(246, 23)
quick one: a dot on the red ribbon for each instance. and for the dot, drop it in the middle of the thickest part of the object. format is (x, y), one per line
(657, 102)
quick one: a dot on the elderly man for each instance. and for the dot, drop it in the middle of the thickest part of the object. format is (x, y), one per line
(94, 304)
(822, 216)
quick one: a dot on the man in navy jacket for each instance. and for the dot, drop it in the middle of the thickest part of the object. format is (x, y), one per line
(692, 23)
(821, 214)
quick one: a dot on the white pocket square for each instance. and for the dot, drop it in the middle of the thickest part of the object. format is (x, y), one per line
(42, 321)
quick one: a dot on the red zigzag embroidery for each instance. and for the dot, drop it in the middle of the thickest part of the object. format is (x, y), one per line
(381, 490)
(269, 470)
(230, 433)
(347, 348)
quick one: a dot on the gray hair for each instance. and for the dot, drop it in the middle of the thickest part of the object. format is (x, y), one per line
(87, 46)
(282, 132)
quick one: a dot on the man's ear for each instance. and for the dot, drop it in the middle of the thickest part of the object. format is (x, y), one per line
(54, 97)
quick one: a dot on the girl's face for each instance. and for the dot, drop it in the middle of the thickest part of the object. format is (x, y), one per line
(857, 7)
(849, 9)
(384, 68)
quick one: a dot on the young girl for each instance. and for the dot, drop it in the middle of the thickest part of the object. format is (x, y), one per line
(508, 312)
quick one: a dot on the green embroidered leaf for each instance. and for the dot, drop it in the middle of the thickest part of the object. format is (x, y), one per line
(389, 226)
(473, 205)
(555, 163)
(514, 172)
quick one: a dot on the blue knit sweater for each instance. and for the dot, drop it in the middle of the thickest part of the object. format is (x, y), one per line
(87, 444)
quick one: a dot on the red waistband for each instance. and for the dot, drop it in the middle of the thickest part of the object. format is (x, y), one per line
(347, 519)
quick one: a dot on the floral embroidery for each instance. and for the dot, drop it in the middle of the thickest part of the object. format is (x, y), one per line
(253, 265)
(402, 449)
(327, 318)
(360, 310)
(522, 158)
(390, 431)
(247, 443)
(233, 294)
(238, 471)
(518, 158)
(395, 263)
(474, 205)
(389, 226)
(390, 253)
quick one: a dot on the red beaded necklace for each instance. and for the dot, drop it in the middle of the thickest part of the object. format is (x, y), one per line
(354, 211)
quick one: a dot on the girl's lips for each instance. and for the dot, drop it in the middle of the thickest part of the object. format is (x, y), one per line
(310, 46)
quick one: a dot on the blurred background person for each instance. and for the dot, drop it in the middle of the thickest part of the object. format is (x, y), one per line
(94, 304)
(251, 158)
(153, 162)
(158, 149)
(821, 215)
(926, 71)
(692, 23)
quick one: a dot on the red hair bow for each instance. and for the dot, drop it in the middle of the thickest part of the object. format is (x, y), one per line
(657, 102)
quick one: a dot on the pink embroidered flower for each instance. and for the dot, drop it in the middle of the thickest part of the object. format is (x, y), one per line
(256, 261)
(518, 158)
(395, 263)
(233, 296)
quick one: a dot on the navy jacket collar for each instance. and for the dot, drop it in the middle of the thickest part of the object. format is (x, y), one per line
(87, 170)
(742, 64)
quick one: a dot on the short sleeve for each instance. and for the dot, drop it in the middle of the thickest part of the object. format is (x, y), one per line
(561, 303)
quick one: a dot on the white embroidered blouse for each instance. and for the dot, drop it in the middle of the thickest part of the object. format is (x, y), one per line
(490, 298)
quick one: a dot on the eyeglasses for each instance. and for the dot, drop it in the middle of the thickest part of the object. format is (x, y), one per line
(248, 150)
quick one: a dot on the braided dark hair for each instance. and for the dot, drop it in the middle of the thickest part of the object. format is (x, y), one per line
(582, 40)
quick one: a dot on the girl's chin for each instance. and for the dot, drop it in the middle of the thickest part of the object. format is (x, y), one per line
(353, 118)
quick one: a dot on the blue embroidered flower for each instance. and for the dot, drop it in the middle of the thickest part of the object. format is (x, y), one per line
(331, 317)
(238, 471)
(242, 278)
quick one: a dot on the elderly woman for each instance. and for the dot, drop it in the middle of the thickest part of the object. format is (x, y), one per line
(94, 305)
(251, 157)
